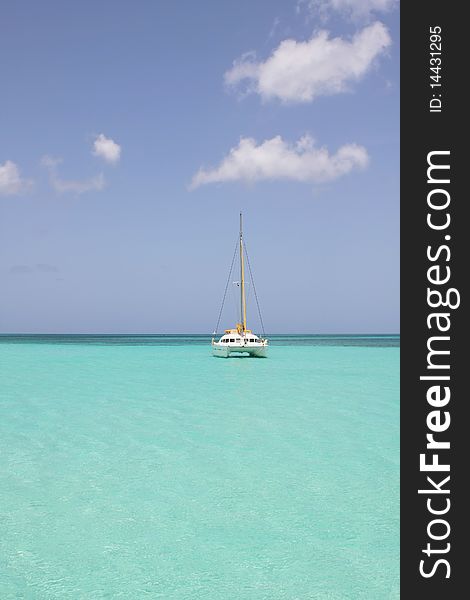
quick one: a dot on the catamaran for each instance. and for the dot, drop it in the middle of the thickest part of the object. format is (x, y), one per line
(240, 341)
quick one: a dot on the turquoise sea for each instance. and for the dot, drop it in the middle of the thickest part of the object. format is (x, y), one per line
(142, 467)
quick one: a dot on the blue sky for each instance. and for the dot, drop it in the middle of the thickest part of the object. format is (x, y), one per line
(131, 134)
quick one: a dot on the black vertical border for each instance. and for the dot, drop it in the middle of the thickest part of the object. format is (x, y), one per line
(422, 132)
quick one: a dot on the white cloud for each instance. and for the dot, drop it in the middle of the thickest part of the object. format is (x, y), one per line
(27, 269)
(70, 185)
(50, 162)
(321, 66)
(274, 27)
(354, 9)
(46, 268)
(107, 149)
(11, 182)
(78, 187)
(277, 159)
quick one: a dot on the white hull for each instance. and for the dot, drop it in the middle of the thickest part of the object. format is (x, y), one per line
(225, 350)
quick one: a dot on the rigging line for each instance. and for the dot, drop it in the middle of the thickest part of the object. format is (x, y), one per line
(254, 290)
(234, 295)
(226, 287)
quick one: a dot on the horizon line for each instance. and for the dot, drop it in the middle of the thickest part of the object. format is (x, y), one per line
(192, 333)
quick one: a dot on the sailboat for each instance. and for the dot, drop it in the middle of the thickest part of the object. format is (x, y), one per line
(240, 341)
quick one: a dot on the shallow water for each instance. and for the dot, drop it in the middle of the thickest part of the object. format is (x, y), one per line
(142, 467)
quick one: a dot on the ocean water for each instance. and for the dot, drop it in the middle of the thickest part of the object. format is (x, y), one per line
(142, 467)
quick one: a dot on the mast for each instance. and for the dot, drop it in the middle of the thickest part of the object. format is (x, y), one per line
(242, 280)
